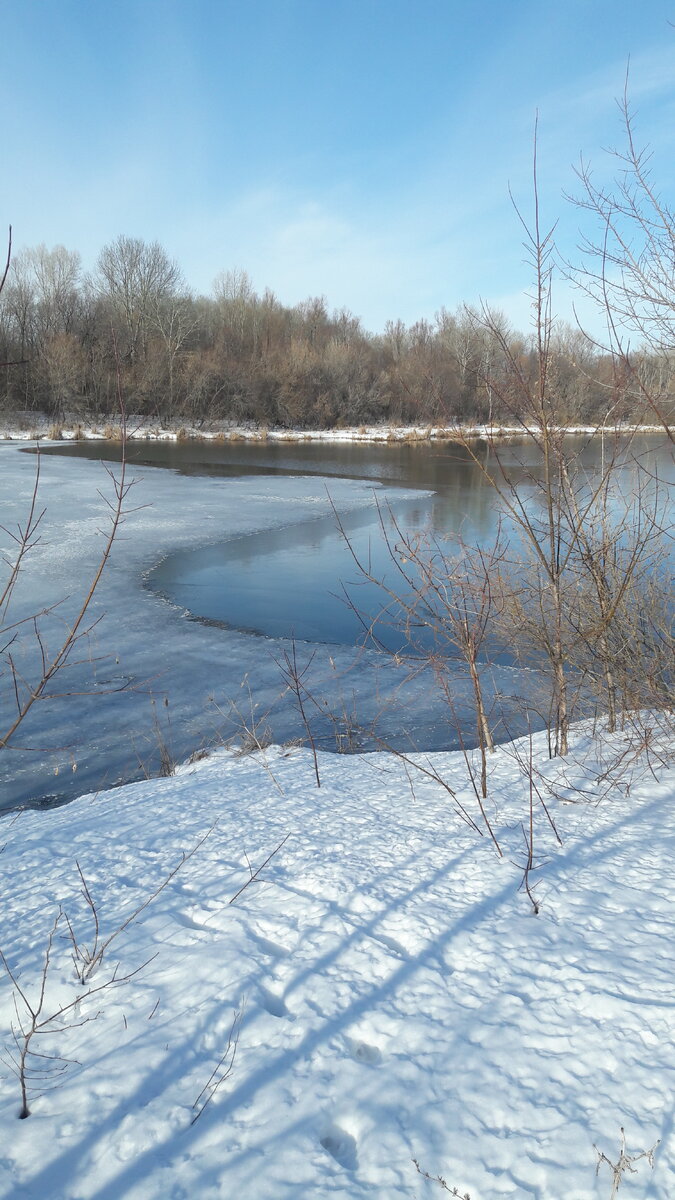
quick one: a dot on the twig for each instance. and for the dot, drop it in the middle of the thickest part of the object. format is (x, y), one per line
(254, 875)
(623, 1163)
(221, 1071)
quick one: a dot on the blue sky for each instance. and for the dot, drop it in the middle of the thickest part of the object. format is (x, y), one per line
(360, 149)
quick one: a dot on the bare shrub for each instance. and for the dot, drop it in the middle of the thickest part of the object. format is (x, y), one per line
(88, 956)
(35, 1019)
(623, 1163)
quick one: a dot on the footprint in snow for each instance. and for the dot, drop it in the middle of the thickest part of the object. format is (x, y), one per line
(187, 921)
(362, 1052)
(274, 949)
(274, 1004)
(341, 1146)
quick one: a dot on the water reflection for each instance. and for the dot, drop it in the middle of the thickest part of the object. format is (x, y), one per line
(296, 581)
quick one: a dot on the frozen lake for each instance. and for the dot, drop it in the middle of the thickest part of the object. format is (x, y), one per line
(257, 519)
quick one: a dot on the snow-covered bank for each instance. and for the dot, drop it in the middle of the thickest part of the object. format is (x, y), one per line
(398, 997)
(43, 428)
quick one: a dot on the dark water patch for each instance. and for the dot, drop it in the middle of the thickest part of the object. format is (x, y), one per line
(303, 581)
(424, 465)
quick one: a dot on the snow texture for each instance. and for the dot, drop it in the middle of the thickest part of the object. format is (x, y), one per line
(399, 999)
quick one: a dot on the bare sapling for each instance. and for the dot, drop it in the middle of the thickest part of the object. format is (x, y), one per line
(646, 749)
(580, 563)
(35, 1018)
(626, 270)
(529, 864)
(295, 677)
(623, 1163)
(532, 395)
(619, 559)
(443, 601)
(88, 956)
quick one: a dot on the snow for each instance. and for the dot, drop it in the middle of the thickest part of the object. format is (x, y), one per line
(398, 997)
(39, 426)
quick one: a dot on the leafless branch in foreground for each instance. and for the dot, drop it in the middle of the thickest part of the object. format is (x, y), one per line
(624, 1162)
(221, 1071)
(254, 873)
(39, 1072)
(452, 1191)
(294, 677)
(87, 958)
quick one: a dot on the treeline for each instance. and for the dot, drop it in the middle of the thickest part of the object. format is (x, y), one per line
(69, 340)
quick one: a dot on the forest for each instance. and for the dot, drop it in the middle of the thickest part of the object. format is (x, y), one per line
(75, 342)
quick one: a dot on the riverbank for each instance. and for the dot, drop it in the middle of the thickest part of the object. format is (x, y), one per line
(40, 427)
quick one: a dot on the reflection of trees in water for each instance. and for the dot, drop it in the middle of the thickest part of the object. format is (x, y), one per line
(288, 580)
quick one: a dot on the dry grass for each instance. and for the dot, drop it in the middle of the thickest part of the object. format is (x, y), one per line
(55, 433)
(419, 435)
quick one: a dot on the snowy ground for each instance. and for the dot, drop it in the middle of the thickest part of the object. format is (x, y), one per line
(399, 999)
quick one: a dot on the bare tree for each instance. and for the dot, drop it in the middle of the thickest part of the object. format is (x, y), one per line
(583, 563)
(628, 269)
(135, 277)
(174, 320)
(295, 679)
